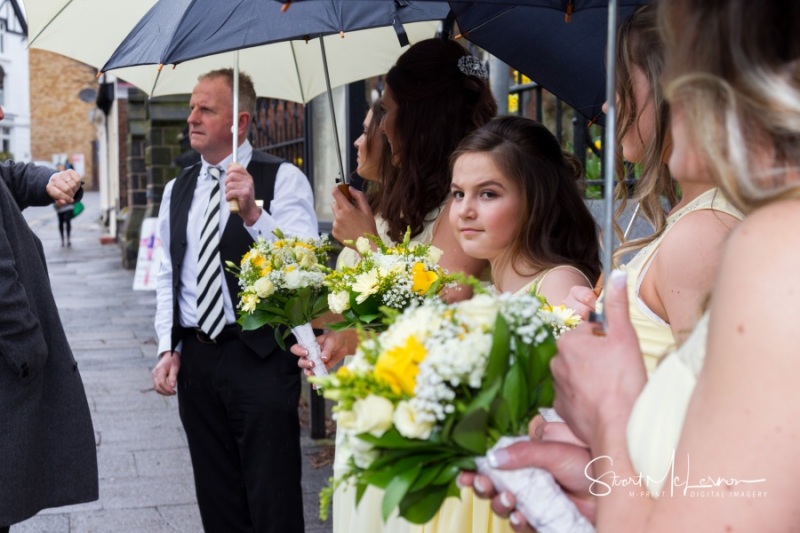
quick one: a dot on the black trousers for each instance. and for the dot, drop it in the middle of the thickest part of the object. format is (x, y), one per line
(240, 416)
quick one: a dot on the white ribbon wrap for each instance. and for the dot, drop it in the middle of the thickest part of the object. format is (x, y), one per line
(539, 497)
(306, 338)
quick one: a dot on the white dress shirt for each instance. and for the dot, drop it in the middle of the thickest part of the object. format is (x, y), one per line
(291, 210)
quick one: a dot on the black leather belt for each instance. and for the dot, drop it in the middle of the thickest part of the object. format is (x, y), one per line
(231, 331)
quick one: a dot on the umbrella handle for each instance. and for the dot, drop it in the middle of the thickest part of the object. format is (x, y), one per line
(233, 206)
(344, 188)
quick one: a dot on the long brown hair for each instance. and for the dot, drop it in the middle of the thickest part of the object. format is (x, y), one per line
(639, 45)
(555, 227)
(438, 105)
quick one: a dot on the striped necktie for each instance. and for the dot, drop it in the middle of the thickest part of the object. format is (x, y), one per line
(210, 311)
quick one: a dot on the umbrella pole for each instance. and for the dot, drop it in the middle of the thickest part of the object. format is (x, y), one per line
(233, 205)
(342, 179)
(609, 148)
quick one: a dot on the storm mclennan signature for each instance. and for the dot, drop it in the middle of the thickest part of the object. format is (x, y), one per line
(604, 481)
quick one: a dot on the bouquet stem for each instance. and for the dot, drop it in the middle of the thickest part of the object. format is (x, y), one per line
(539, 497)
(306, 338)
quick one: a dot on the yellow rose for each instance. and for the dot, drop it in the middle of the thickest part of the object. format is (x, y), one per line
(422, 279)
(399, 366)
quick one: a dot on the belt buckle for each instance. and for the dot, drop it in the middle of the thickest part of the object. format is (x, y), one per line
(203, 338)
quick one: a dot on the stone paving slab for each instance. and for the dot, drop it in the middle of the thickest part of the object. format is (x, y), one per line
(145, 472)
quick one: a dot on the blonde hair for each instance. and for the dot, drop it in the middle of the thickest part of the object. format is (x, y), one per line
(640, 46)
(733, 69)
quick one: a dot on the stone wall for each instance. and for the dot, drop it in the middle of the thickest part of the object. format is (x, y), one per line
(59, 120)
(152, 146)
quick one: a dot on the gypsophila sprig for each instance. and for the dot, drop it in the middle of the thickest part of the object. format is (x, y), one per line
(439, 387)
(282, 283)
(392, 277)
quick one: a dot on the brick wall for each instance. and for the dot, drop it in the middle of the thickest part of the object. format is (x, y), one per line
(59, 120)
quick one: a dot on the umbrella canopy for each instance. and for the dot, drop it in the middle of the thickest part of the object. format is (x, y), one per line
(562, 53)
(85, 30)
(278, 49)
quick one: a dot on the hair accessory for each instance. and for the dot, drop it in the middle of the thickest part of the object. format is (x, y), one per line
(472, 66)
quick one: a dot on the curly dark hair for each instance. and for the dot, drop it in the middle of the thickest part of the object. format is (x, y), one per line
(438, 105)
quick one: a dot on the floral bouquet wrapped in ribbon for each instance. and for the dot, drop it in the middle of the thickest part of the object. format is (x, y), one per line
(430, 395)
(391, 277)
(283, 284)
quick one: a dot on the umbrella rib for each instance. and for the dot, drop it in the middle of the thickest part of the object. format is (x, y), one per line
(297, 70)
(52, 19)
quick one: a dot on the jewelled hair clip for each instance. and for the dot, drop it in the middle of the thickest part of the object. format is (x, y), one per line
(471, 66)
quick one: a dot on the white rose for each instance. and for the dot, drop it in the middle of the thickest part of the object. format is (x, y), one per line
(406, 420)
(363, 246)
(345, 419)
(434, 254)
(264, 287)
(364, 454)
(293, 279)
(306, 258)
(373, 415)
(339, 302)
(480, 310)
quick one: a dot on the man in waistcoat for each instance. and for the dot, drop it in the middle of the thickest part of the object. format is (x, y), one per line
(237, 391)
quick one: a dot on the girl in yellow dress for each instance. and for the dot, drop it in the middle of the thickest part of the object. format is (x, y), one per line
(517, 203)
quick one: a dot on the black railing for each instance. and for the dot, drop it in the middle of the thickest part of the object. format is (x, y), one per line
(278, 129)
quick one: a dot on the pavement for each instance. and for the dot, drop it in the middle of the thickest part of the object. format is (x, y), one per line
(146, 483)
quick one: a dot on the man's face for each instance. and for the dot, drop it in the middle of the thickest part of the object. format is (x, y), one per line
(211, 118)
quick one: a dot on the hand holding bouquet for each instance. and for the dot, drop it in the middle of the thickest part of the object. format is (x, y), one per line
(282, 284)
(436, 390)
(392, 277)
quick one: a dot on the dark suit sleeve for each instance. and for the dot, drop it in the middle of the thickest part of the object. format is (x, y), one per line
(22, 342)
(27, 183)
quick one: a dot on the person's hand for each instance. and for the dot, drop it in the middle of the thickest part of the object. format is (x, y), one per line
(351, 220)
(334, 345)
(566, 462)
(582, 300)
(239, 186)
(540, 429)
(63, 186)
(599, 374)
(165, 373)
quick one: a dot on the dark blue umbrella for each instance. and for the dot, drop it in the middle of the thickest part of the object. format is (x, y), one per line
(181, 32)
(561, 48)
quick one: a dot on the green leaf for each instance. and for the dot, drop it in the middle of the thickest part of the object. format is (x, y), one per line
(279, 338)
(253, 320)
(486, 396)
(513, 388)
(497, 365)
(447, 474)
(419, 507)
(367, 307)
(320, 305)
(428, 474)
(361, 488)
(470, 431)
(500, 416)
(397, 489)
(392, 439)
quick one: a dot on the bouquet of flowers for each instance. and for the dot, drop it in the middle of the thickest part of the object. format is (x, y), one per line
(431, 394)
(283, 284)
(391, 277)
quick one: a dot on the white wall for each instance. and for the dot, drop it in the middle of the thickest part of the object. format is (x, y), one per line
(16, 97)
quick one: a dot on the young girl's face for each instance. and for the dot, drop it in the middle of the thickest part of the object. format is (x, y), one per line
(642, 132)
(486, 207)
